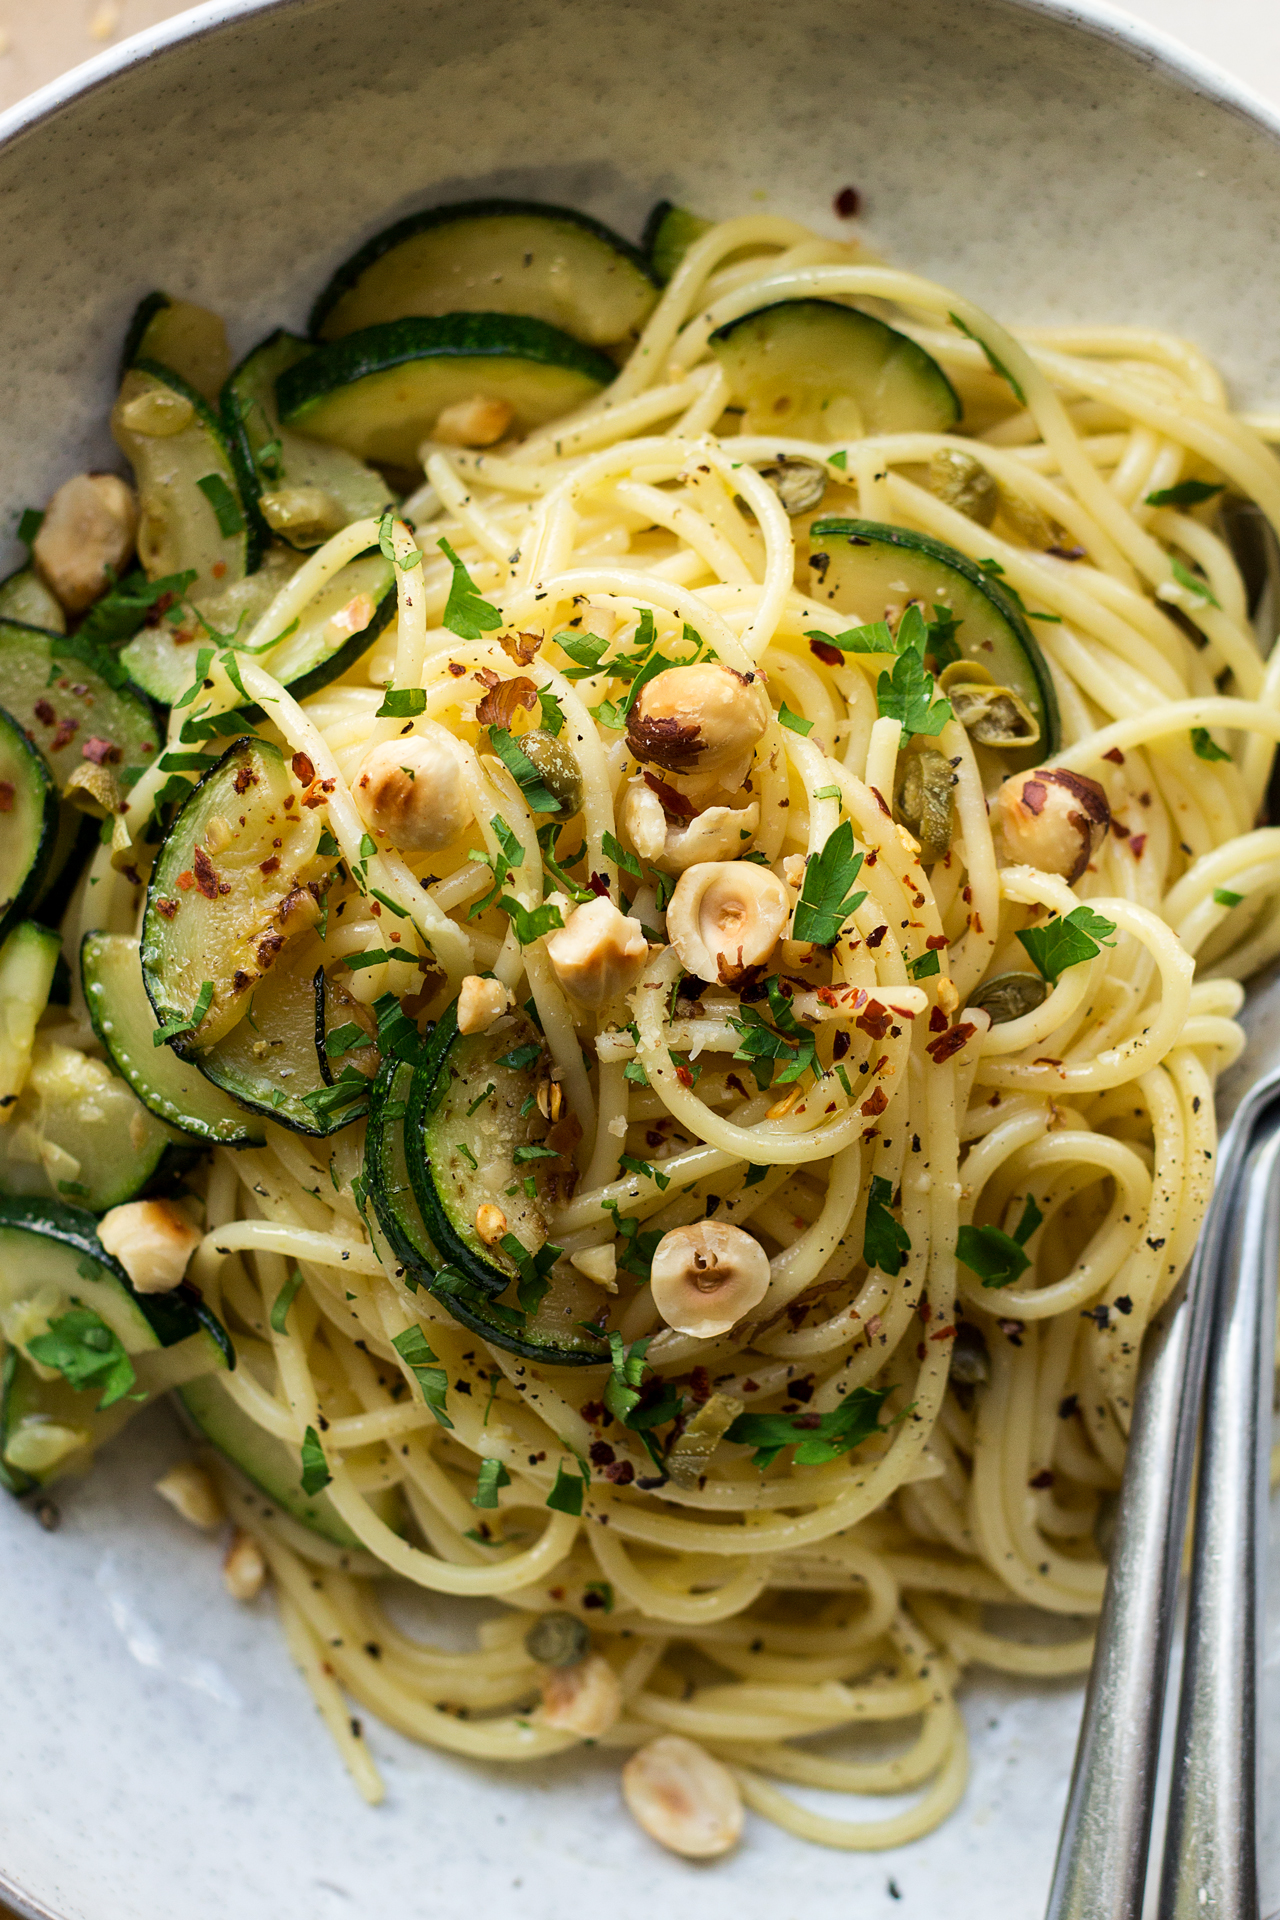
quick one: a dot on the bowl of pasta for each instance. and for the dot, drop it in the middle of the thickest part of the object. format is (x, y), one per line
(636, 769)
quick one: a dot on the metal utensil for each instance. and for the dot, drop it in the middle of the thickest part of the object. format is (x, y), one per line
(1101, 1867)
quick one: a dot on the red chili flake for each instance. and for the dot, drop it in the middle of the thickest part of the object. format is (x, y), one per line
(621, 1474)
(1120, 830)
(876, 935)
(1138, 842)
(700, 1385)
(672, 802)
(186, 880)
(44, 713)
(289, 801)
(8, 794)
(599, 886)
(920, 1349)
(925, 1310)
(684, 1076)
(751, 1386)
(1144, 799)
(63, 732)
(245, 778)
(304, 771)
(100, 751)
(456, 669)
(206, 877)
(1115, 757)
(593, 1411)
(848, 203)
(885, 809)
(1042, 1479)
(830, 656)
(876, 1020)
(875, 1103)
(601, 1454)
(944, 1333)
(167, 907)
(948, 1043)
(936, 942)
(218, 568)
(937, 1020)
(269, 866)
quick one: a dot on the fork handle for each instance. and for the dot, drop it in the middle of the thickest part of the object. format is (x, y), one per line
(1210, 1855)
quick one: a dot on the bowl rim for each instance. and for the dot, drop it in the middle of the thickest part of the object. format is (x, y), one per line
(1097, 18)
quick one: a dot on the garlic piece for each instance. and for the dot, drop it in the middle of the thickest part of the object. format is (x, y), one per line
(89, 526)
(643, 820)
(153, 1241)
(491, 1223)
(1053, 819)
(477, 422)
(481, 1002)
(412, 791)
(700, 719)
(304, 516)
(726, 915)
(707, 1277)
(599, 1265)
(685, 1800)
(244, 1570)
(598, 953)
(585, 1699)
(191, 1492)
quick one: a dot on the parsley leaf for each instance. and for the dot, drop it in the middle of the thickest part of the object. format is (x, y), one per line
(122, 610)
(793, 721)
(615, 851)
(531, 925)
(182, 1022)
(533, 1269)
(315, 1468)
(284, 1300)
(995, 1256)
(387, 543)
(820, 1436)
(907, 695)
(1067, 942)
(402, 703)
(825, 899)
(925, 965)
(764, 1045)
(885, 1241)
(421, 1362)
(566, 1495)
(526, 776)
(551, 715)
(226, 507)
(87, 1353)
(1205, 746)
(1187, 493)
(491, 1476)
(873, 638)
(585, 650)
(466, 613)
(1192, 582)
(1223, 897)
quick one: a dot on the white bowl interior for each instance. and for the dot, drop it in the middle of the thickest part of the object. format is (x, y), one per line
(160, 1754)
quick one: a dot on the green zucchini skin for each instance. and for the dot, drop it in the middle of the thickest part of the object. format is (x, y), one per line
(157, 1319)
(851, 556)
(370, 572)
(283, 1003)
(387, 1174)
(330, 314)
(30, 822)
(379, 392)
(251, 420)
(122, 1016)
(669, 232)
(36, 673)
(826, 372)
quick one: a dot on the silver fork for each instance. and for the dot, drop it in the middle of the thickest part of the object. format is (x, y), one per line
(1225, 1306)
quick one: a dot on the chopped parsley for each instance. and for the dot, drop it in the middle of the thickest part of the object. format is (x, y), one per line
(284, 1300)
(387, 543)
(466, 613)
(86, 1352)
(998, 1258)
(491, 1476)
(885, 1241)
(531, 925)
(226, 507)
(1223, 897)
(1068, 941)
(925, 965)
(1205, 747)
(566, 1495)
(402, 703)
(818, 1437)
(525, 774)
(182, 1022)
(825, 898)
(1192, 582)
(1187, 493)
(909, 694)
(792, 721)
(315, 1468)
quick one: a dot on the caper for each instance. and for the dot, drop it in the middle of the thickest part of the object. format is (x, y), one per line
(1007, 996)
(993, 716)
(798, 483)
(557, 1640)
(964, 483)
(687, 1457)
(970, 1361)
(558, 765)
(924, 801)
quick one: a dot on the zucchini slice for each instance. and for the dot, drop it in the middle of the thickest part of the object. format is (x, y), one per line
(669, 232)
(29, 816)
(268, 1061)
(79, 1133)
(273, 1467)
(340, 624)
(495, 256)
(189, 340)
(70, 711)
(872, 571)
(280, 471)
(47, 1429)
(124, 1022)
(191, 516)
(823, 372)
(471, 1111)
(24, 596)
(237, 876)
(379, 392)
(28, 960)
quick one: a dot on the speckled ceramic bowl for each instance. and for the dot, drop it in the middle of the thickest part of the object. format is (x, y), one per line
(159, 1758)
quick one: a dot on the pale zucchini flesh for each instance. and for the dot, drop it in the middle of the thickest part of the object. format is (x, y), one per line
(813, 370)
(379, 393)
(179, 529)
(189, 340)
(494, 256)
(871, 571)
(669, 233)
(24, 596)
(78, 1133)
(168, 1086)
(268, 1061)
(272, 460)
(27, 961)
(213, 914)
(161, 657)
(28, 821)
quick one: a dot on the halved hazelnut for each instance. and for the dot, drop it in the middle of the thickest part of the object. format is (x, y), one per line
(412, 791)
(1053, 819)
(707, 1277)
(725, 916)
(85, 538)
(685, 1800)
(585, 1699)
(699, 719)
(598, 953)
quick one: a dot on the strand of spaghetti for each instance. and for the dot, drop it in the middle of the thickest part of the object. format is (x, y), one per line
(318, 1674)
(295, 1243)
